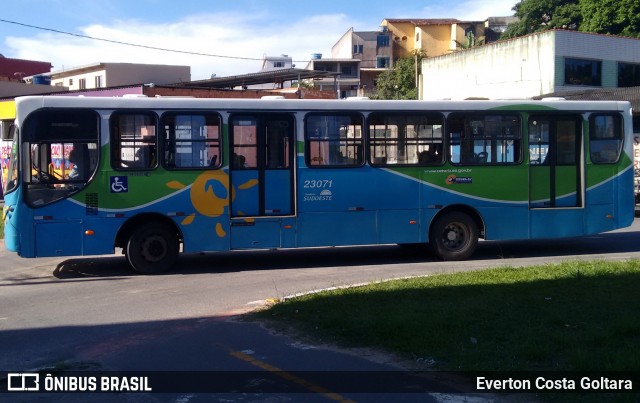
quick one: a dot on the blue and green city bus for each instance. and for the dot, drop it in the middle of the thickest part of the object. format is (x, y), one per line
(156, 176)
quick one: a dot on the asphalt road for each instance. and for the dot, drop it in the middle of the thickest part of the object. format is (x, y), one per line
(96, 314)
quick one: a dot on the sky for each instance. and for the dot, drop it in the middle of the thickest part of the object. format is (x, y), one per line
(213, 37)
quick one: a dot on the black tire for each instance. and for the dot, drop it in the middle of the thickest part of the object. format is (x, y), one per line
(454, 236)
(152, 248)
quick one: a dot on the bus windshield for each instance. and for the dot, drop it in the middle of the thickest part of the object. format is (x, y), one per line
(62, 153)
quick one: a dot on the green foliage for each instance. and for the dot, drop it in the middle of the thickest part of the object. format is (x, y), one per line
(471, 42)
(572, 316)
(541, 15)
(615, 17)
(400, 82)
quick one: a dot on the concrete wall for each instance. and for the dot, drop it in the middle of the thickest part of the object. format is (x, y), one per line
(524, 67)
(508, 69)
(344, 47)
(10, 89)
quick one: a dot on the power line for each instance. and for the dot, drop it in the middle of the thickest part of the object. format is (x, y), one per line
(144, 46)
(128, 43)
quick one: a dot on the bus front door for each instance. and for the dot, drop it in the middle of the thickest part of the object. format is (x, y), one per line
(262, 179)
(555, 185)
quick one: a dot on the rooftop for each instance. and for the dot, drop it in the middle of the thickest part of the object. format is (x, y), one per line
(275, 76)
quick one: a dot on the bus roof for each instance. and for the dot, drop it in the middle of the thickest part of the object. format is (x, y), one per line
(230, 104)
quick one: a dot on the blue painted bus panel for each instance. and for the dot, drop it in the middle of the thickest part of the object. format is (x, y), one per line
(103, 239)
(502, 222)
(277, 192)
(624, 197)
(557, 223)
(205, 233)
(11, 217)
(288, 232)
(398, 226)
(247, 191)
(600, 218)
(255, 234)
(63, 238)
(337, 229)
(604, 192)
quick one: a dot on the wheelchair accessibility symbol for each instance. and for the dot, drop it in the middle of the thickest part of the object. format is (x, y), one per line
(119, 184)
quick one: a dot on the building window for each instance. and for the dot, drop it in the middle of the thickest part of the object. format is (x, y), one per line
(383, 62)
(82, 83)
(347, 71)
(70, 81)
(383, 40)
(417, 37)
(582, 72)
(358, 49)
(98, 82)
(628, 75)
(278, 64)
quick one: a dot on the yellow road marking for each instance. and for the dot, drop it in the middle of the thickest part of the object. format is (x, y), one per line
(289, 377)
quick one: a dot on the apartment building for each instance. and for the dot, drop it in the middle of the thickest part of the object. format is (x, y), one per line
(372, 49)
(396, 38)
(434, 37)
(344, 77)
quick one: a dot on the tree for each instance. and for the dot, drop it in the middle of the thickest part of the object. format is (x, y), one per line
(541, 15)
(400, 82)
(615, 17)
(471, 42)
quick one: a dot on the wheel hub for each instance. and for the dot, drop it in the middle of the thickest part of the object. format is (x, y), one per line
(154, 248)
(454, 236)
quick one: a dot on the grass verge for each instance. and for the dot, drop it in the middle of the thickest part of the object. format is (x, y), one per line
(566, 317)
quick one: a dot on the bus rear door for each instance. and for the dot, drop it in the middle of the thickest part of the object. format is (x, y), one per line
(262, 179)
(555, 158)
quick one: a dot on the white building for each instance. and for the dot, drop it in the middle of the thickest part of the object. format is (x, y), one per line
(101, 75)
(274, 63)
(541, 63)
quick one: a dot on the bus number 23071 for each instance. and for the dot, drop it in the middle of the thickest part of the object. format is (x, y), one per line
(318, 184)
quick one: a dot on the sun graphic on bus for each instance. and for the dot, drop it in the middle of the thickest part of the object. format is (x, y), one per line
(210, 196)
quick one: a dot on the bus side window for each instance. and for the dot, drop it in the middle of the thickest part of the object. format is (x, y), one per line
(405, 138)
(484, 138)
(191, 140)
(135, 141)
(334, 140)
(605, 138)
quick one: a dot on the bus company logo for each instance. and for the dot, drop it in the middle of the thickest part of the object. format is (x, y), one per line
(452, 179)
(324, 195)
(29, 382)
(119, 184)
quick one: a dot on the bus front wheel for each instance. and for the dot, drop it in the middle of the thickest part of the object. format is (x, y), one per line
(152, 248)
(454, 236)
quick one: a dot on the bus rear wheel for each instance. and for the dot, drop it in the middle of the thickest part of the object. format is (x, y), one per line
(152, 248)
(454, 236)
